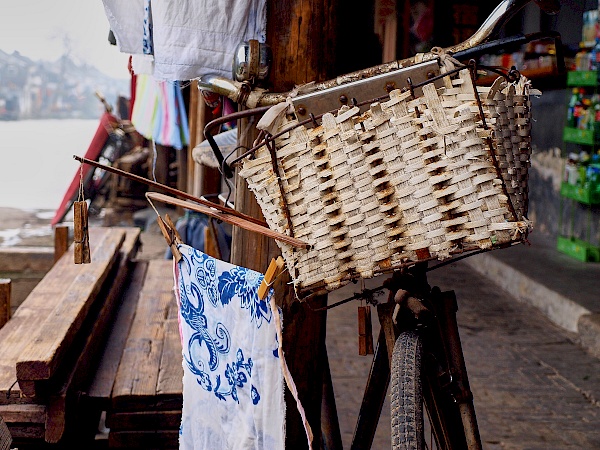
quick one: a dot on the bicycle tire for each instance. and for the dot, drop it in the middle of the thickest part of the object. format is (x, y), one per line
(406, 394)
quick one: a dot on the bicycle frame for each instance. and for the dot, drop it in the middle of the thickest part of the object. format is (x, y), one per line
(413, 304)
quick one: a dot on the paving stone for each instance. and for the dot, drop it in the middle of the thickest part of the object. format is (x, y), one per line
(534, 387)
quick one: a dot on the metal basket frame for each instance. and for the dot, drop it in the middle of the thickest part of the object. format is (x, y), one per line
(413, 178)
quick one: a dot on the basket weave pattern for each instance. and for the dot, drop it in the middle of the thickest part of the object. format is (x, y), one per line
(409, 179)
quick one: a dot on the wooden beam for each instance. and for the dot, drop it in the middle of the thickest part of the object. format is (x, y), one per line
(144, 420)
(5, 288)
(61, 241)
(150, 372)
(101, 387)
(194, 118)
(63, 402)
(71, 295)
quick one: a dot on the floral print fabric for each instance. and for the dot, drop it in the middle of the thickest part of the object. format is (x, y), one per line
(232, 382)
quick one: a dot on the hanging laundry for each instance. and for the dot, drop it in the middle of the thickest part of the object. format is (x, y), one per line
(190, 38)
(159, 112)
(147, 41)
(233, 394)
(126, 22)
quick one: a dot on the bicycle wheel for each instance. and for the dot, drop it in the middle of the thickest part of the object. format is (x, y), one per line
(406, 393)
(415, 389)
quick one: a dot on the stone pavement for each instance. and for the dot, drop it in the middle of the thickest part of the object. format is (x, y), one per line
(564, 289)
(534, 386)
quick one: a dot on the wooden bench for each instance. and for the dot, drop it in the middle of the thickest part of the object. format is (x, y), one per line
(49, 349)
(139, 379)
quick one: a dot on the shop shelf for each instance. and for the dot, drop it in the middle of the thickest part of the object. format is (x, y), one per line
(578, 249)
(578, 136)
(589, 195)
(582, 78)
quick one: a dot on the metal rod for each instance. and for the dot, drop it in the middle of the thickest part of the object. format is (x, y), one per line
(168, 189)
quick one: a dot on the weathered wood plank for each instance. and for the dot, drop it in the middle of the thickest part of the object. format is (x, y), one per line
(170, 372)
(101, 387)
(146, 440)
(137, 376)
(144, 420)
(23, 413)
(66, 397)
(26, 320)
(46, 349)
(26, 432)
(26, 259)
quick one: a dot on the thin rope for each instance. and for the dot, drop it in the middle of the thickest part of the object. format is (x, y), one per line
(286, 371)
(152, 205)
(81, 191)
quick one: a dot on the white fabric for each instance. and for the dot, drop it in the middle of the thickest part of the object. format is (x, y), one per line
(191, 37)
(126, 20)
(233, 381)
(142, 64)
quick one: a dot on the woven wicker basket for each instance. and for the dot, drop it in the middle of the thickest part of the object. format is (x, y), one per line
(407, 180)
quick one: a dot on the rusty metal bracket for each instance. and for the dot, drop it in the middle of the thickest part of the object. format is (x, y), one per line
(317, 103)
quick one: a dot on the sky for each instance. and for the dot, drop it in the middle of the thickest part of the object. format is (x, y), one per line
(45, 29)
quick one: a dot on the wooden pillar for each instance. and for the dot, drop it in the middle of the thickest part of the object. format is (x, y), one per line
(202, 180)
(5, 291)
(302, 37)
(61, 241)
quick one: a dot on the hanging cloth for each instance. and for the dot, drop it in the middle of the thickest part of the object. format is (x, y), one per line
(159, 112)
(190, 38)
(233, 382)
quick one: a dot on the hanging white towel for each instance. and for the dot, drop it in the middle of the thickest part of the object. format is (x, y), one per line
(190, 37)
(126, 20)
(233, 380)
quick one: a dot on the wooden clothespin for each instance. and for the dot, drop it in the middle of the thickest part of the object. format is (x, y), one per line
(81, 233)
(275, 268)
(169, 231)
(365, 331)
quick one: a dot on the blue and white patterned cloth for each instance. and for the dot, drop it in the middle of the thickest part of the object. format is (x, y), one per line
(233, 381)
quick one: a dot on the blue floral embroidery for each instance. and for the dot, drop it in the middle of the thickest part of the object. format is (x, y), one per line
(237, 375)
(205, 346)
(255, 395)
(214, 344)
(244, 283)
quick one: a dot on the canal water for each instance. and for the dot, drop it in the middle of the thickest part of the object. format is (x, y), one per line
(36, 163)
(36, 168)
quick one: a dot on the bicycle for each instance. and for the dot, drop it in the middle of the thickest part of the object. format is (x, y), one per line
(418, 350)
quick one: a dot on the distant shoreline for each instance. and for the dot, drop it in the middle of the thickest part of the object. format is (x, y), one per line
(25, 227)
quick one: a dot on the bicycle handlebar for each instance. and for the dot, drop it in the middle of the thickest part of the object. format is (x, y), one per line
(242, 92)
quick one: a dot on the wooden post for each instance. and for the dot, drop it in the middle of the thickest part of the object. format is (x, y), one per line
(61, 241)
(302, 37)
(202, 180)
(5, 288)
(195, 121)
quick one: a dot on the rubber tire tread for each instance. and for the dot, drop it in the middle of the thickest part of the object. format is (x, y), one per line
(406, 393)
